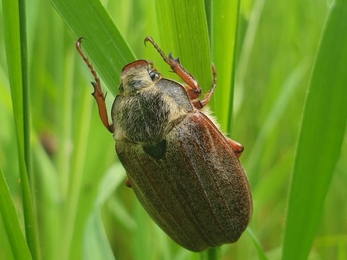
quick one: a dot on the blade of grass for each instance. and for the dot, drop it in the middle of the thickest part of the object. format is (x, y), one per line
(16, 49)
(104, 44)
(288, 88)
(210, 254)
(19, 246)
(80, 136)
(50, 197)
(103, 40)
(256, 242)
(96, 245)
(322, 130)
(224, 23)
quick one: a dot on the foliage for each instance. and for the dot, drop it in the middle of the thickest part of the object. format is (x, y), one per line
(281, 93)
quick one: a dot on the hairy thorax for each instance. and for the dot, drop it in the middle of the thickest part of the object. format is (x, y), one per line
(147, 116)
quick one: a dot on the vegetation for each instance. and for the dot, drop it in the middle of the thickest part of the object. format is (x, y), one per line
(282, 93)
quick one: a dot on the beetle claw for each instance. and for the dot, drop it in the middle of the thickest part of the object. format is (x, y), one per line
(174, 60)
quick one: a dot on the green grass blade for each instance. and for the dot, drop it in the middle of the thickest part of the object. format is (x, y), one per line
(322, 131)
(224, 22)
(49, 201)
(210, 254)
(103, 40)
(288, 88)
(96, 245)
(19, 246)
(78, 162)
(16, 49)
(257, 244)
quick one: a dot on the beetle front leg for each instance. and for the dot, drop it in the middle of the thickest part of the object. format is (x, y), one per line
(193, 88)
(97, 94)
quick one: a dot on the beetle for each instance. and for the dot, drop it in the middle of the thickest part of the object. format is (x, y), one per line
(184, 171)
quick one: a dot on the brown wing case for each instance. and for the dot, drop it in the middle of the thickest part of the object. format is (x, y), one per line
(197, 192)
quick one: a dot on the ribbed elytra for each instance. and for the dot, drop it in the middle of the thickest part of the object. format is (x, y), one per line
(184, 171)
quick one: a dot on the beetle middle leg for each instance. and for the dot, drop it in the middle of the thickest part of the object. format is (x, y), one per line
(97, 94)
(193, 89)
(128, 182)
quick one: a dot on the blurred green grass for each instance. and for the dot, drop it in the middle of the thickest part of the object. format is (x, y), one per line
(78, 182)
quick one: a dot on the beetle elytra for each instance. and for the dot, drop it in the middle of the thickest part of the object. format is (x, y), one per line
(183, 170)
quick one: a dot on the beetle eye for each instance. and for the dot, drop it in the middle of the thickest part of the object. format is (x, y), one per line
(154, 75)
(121, 88)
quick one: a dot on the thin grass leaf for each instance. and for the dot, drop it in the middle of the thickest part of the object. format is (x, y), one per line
(96, 245)
(256, 242)
(89, 19)
(322, 131)
(224, 23)
(104, 44)
(77, 169)
(210, 254)
(19, 246)
(288, 88)
(248, 43)
(16, 49)
(50, 197)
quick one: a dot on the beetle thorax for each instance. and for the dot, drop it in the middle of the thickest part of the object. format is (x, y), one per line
(145, 117)
(145, 111)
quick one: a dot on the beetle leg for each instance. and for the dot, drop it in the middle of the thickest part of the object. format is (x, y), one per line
(192, 88)
(237, 147)
(175, 64)
(209, 94)
(128, 183)
(97, 94)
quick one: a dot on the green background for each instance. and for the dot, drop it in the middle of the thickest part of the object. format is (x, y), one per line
(282, 93)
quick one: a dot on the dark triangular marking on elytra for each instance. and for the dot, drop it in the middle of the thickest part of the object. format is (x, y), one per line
(157, 151)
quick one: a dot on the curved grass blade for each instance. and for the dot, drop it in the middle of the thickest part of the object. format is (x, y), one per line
(96, 245)
(224, 23)
(322, 130)
(89, 19)
(16, 50)
(257, 245)
(19, 246)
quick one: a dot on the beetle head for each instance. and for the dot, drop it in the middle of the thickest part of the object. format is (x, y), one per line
(136, 76)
